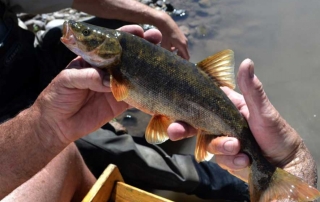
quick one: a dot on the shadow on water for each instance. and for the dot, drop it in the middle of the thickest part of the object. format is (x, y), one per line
(283, 40)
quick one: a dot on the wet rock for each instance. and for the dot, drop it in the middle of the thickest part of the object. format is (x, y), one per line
(205, 3)
(214, 11)
(201, 31)
(147, 2)
(194, 23)
(72, 11)
(159, 3)
(134, 110)
(179, 12)
(169, 8)
(38, 23)
(119, 128)
(147, 27)
(185, 30)
(59, 15)
(46, 17)
(202, 13)
(129, 120)
(54, 23)
(215, 19)
(25, 16)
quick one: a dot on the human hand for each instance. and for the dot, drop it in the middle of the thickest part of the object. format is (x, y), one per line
(172, 36)
(79, 100)
(280, 143)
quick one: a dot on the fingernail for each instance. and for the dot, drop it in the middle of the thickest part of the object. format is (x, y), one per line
(228, 146)
(251, 69)
(178, 138)
(239, 161)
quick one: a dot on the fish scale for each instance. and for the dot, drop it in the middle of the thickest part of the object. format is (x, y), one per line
(170, 88)
(183, 89)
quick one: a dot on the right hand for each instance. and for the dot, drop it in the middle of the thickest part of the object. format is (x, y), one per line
(280, 143)
(79, 100)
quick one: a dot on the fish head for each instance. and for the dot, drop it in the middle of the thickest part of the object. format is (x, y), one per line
(98, 46)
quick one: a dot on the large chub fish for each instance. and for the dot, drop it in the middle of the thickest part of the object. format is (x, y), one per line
(170, 88)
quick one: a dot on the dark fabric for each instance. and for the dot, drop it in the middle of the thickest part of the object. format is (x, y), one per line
(216, 183)
(149, 167)
(18, 66)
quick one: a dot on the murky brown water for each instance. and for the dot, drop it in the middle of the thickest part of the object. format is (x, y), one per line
(283, 40)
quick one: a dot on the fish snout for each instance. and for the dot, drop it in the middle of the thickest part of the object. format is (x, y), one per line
(67, 35)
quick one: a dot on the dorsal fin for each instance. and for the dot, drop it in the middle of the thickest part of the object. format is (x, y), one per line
(220, 67)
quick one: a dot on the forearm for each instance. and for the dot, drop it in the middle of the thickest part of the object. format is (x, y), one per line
(303, 165)
(126, 10)
(26, 146)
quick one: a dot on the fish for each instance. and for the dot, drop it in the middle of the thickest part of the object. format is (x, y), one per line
(164, 85)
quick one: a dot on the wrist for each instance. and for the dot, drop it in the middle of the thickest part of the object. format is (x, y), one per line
(303, 165)
(161, 19)
(45, 131)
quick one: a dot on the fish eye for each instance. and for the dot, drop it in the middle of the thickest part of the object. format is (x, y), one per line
(86, 32)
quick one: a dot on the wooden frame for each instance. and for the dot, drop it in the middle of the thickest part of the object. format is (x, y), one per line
(110, 187)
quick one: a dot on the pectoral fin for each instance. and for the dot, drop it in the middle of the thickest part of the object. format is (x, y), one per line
(119, 88)
(156, 132)
(220, 67)
(201, 153)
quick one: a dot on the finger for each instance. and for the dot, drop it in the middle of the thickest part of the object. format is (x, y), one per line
(153, 35)
(236, 162)
(180, 130)
(224, 145)
(87, 78)
(133, 29)
(235, 97)
(78, 63)
(183, 52)
(165, 44)
(252, 89)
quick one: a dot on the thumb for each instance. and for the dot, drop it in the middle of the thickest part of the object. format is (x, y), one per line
(257, 101)
(264, 120)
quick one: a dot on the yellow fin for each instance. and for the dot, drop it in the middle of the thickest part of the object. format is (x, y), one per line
(200, 152)
(156, 132)
(119, 89)
(220, 67)
(284, 185)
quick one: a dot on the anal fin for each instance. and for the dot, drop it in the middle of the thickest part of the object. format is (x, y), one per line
(201, 153)
(156, 132)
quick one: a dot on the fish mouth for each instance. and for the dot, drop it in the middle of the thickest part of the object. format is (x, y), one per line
(67, 34)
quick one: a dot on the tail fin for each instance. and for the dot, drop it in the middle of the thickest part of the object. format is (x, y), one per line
(284, 185)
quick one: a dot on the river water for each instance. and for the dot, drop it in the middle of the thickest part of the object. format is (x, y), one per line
(283, 40)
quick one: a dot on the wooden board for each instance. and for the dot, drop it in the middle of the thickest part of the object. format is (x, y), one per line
(110, 187)
(126, 193)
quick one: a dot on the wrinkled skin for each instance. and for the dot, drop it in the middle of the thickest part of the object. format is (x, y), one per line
(280, 143)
